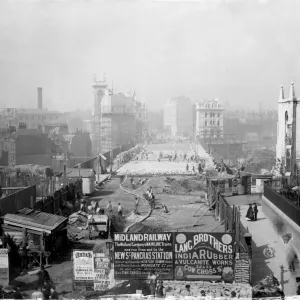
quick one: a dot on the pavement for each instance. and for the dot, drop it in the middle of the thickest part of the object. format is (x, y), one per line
(264, 235)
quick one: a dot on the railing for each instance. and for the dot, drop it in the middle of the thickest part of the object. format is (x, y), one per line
(282, 203)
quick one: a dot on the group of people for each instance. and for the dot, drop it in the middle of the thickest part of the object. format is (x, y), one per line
(157, 287)
(252, 212)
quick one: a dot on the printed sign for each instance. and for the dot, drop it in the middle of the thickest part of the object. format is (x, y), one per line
(4, 267)
(242, 268)
(204, 256)
(137, 254)
(101, 272)
(101, 285)
(83, 263)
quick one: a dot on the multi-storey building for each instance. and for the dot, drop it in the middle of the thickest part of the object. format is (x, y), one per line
(179, 116)
(209, 119)
(288, 134)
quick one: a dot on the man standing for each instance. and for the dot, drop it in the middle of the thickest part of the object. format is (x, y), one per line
(152, 277)
(255, 211)
(120, 210)
(136, 205)
(160, 290)
(109, 207)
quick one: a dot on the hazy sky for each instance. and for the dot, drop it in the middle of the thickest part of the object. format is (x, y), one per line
(240, 51)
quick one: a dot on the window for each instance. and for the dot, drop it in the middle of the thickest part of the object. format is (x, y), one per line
(210, 114)
(205, 115)
(210, 122)
(218, 123)
(32, 117)
(205, 123)
(218, 115)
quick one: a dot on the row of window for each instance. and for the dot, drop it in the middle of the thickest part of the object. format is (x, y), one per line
(37, 117)
(212, 105)
(212, 123)
(212, 115)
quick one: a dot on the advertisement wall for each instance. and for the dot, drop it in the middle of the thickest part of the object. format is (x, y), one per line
(137, 254)
(180, 256)
(204, 256)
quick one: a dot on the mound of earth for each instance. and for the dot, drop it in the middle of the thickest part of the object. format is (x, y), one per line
(182, 185)
(130, 287)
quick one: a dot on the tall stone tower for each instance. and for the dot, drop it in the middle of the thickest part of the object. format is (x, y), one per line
(288, 134)
(100, 92)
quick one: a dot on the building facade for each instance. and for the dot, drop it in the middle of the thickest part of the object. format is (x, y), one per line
(179, 116)
(209, 119)
(288, 134)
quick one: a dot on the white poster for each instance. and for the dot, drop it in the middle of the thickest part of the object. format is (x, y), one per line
(4, 267)
(83, 264)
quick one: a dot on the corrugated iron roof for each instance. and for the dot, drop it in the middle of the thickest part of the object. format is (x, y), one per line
(34, 218)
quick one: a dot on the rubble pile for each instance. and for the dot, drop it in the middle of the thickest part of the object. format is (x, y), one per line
(208, 289)
(77, 224)
(181, 186)
(268, 287)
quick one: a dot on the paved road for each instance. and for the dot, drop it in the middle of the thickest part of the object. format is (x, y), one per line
(263, 235)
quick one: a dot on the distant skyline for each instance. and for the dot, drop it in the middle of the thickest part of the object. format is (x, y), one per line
(239, 51)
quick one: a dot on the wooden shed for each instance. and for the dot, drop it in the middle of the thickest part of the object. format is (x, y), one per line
(43, 231)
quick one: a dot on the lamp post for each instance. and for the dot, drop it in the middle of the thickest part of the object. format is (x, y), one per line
(109, 245)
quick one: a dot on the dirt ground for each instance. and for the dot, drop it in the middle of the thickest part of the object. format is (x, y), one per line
(180, 194)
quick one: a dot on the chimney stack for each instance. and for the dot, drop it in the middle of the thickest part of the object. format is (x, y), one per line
(40, 98)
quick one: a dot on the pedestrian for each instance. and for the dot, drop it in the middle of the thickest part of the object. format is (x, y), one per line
(298, 283)
(255, 211)
(46, 292)
(136, 204)
(17, 294)
(187, 167)
(186, 291)
(43, 276)
(24, 256)
(131, 181)
(54, 294)
(249, 213)
(37, 294)
(152, 277)
(120, 210)
(193, 168)
(160, 290)
(109, 207)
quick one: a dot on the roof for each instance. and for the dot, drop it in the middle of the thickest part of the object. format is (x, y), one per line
(36, 111)
(85, 173)
(34, 219)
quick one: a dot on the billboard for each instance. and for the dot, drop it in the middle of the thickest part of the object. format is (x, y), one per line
(83, 264)
(4, 267)
(137, 254)
(101, 271)
(204, 256)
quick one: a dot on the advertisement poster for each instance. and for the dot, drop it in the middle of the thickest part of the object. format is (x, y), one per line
(242, 268)
(101, 272)
(83, 265)
(204, 256)
(137, 254)
(4, 268)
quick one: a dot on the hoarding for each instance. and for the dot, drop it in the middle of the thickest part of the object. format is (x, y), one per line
(204, 256)
(137, 254)
(242, 268)
(101, 272)
(4, 267)
(83, 265)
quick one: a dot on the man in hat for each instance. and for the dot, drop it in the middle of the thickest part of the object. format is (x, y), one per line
(186, 291)
(160, 290)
